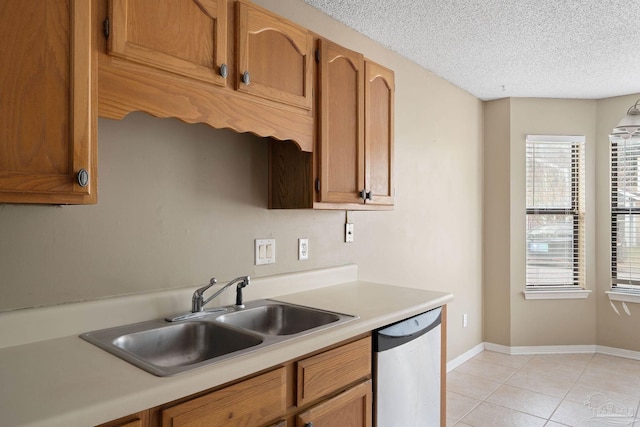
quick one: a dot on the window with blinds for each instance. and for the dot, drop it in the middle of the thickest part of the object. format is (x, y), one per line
(555, 212)
(625, 213)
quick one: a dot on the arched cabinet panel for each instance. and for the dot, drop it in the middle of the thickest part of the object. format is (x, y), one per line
(274, 57)
(341, 120)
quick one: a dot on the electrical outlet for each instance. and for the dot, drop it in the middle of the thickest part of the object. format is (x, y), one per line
(348, 233)
(464, 320)
(265, 251)
(303, 249)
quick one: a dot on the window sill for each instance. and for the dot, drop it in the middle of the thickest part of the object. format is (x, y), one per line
(623, 296)
(557, 294)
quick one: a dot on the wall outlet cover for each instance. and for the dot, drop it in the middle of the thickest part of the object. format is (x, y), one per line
(348, 233)
(303, 249)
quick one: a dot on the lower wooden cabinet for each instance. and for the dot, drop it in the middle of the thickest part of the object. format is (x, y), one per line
(352, 408)
(331, 387)
(332, 370)
(256, 401)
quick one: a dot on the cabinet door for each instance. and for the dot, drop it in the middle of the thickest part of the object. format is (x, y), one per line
(47, 123)
(352, 408)
(186, 37)
(274, 57)
(379, 114)
(341, 120)
(252, 402)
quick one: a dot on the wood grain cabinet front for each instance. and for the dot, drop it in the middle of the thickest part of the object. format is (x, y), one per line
(225, 63)
(186, 37)
(341, 124)
(331, 387)
(379, 95)
(47, 115)
(257, 401)
(352, 166)
(355, 129)
(351, 408)
(274, 56)
(332, 370)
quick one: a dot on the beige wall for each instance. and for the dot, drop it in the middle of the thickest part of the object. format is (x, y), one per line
(530, 322)
(516, 321)
(496, 248)
(542, 322)
(180, 203)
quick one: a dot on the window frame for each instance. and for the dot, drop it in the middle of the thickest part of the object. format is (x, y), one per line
(617, 284)
(575, 289)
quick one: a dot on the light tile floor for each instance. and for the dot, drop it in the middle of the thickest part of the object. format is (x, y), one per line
(495, 389)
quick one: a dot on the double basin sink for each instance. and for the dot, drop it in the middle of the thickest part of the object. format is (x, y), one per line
(166, 348)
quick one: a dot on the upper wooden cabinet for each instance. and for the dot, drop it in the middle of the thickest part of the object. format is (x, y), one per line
(341, 124)
(274, 57)
(352, 166)
(184, 37)
(47, 114)
(187, 59)
(379, 113)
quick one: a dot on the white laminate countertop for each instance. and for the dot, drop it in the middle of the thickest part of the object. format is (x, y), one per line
(69, 382)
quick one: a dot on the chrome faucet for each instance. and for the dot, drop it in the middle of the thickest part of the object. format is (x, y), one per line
(198, 302)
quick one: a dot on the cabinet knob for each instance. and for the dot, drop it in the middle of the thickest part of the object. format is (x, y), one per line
(246, 78)
(224, 72)
(309, 424)
(83, 177)
(366, 195)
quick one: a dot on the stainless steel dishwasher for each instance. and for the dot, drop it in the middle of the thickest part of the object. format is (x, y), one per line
(407, 371)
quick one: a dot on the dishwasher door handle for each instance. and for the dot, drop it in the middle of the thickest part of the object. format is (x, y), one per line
(406, 330)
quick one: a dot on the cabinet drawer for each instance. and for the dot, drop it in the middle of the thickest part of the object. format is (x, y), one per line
(255, 401)
(332, 370)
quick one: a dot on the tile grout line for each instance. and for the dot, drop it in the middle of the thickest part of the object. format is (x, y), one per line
(573, 384)
(516, 370)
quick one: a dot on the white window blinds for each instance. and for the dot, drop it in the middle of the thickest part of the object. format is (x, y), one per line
(625, 213)
(554, 211)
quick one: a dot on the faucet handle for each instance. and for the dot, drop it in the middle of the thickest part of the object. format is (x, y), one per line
(201, 290)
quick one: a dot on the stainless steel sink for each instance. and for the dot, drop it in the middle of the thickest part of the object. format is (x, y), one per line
(166, 348)
(279, 319)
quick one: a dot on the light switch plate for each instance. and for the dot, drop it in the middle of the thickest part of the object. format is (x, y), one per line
(265, 251)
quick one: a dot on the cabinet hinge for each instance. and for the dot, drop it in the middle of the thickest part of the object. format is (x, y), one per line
(318, 185)
(106, 27)
(317, 55)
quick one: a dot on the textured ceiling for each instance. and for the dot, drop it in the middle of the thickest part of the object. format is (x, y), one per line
(500, 48)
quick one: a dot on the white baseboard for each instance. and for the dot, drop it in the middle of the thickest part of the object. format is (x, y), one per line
(620, 352)
(541, 349)
(453, 364)
(544, 349)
